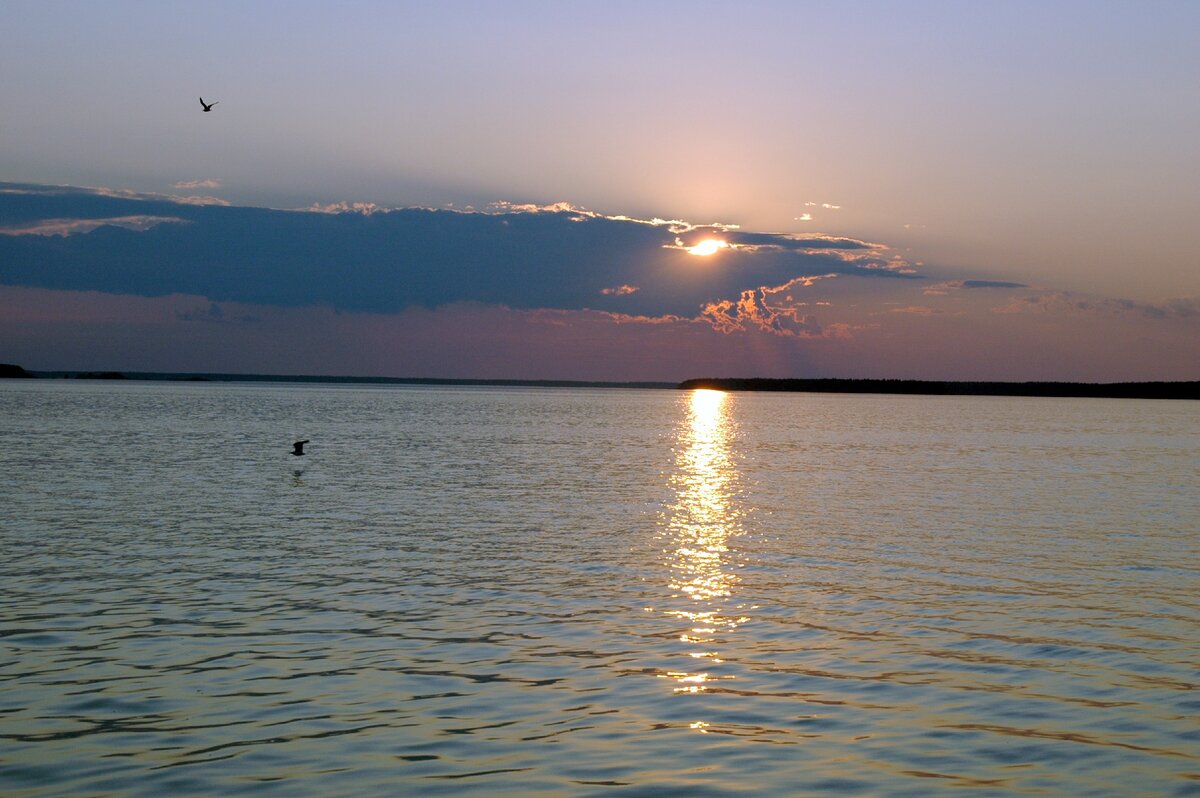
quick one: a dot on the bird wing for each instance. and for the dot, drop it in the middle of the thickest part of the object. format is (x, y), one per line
(203, 103)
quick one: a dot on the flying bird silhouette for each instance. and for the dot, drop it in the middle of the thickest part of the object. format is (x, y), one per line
(298, 448)
(208, 107)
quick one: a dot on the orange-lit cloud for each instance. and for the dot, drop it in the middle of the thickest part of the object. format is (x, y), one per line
(620, 290)
(753, 309)
(768, 308)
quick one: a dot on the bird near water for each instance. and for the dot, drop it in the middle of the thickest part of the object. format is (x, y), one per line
(298, 448)
(208, 106)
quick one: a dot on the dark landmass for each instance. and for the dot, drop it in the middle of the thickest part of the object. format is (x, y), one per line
(1112, 390)
(100, 375)
(13, 371)
(8, 370)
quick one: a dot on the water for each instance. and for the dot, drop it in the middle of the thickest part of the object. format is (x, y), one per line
(568, 592)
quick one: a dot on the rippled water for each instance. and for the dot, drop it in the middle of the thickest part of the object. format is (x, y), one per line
(559, 592)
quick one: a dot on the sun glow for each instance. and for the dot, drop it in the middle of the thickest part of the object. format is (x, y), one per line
(709, 246)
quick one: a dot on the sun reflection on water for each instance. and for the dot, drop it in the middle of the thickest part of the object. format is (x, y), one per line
(699, 530)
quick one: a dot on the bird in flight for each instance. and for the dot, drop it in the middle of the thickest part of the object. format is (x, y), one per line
(298, 446)
(208, 106)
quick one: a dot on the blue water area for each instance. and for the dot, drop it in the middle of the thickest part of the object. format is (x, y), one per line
(517, 591)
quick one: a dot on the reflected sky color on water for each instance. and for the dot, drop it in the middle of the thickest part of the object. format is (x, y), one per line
(561, 592)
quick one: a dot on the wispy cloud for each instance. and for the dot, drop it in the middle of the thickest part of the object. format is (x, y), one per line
(181, 199)
(191, 185)
(579, 213)
(626, 318)
(65, 192)
(983, 284)
(198, 200)
(946, 286)
(67, 227)
(916, 310)
(620, 290)
(1068, 302)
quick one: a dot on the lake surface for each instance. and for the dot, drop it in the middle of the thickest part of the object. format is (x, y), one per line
(575, 592)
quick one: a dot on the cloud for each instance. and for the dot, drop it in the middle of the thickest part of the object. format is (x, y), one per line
(625, 318)
(78, 195)
(504, 206)
(45, 329)
(795, 242)
(359, 257)
(365, 208)
(753, 311)
(985, 284)
(707, 240)
(942, 288)
(579, 214)
(915, 310)
(1067, 302)
(185, 199)
(212, 313)
(770, 309)
(198, 200)
(67, 227)
(191, 185)
(59, 329)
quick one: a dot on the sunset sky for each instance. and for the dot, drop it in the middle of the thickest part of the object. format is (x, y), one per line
(607, 191)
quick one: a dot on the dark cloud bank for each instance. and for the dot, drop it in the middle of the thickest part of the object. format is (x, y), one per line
(386, 261)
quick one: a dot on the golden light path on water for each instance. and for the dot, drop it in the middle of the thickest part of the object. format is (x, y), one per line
(700, 528)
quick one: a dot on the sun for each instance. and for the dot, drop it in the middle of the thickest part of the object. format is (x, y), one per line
(709, 246)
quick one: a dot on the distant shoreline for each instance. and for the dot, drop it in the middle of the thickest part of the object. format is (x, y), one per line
(12, 371)
(1113, 390)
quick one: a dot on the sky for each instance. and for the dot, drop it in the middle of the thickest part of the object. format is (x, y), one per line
(936, 190)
